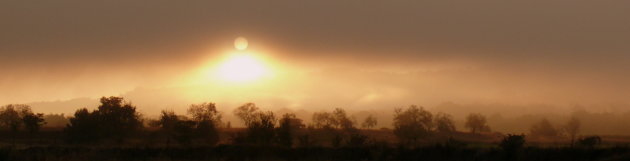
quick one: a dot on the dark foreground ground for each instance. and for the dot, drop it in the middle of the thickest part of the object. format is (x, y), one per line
(49, 145)
(267, 153)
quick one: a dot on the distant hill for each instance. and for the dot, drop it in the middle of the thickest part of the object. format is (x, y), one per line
(67, 107)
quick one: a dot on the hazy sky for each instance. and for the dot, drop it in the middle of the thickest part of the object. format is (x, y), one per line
(329, 53)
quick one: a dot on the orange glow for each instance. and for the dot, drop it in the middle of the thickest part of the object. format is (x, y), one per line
(241, 67)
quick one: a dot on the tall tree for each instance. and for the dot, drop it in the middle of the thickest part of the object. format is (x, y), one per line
(477, 123)
(342, 120)
(15, 116)
(260, 129)
(369, 122)
(444, 123)
(246, 112)
(288, 126)
(33, 122)
(206, 111)
(118, 118)
(167, 122)
(323, 120)
(412, 124)
(10, 118)
(572, 128)
(83, 127)
(207, 119)
(112, 119)
(260, 125)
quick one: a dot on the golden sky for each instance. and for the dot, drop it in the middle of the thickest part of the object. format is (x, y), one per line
(358, 54)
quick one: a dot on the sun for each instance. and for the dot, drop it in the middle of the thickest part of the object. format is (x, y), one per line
(240, 43)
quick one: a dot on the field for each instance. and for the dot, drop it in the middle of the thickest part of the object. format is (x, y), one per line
(49, 144)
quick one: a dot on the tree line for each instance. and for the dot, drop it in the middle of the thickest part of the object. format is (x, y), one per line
(115, 120)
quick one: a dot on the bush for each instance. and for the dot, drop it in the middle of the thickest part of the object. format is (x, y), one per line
(589, 141)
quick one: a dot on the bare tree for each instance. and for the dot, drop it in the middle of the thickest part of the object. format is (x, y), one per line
(477, 123)
(369, 122)
(572, 128)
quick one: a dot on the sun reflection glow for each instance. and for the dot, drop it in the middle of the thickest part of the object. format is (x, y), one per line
(241, 67)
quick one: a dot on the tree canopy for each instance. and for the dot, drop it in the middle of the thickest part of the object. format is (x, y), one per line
(412, 123)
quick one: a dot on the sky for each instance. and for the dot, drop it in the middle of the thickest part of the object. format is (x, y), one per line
(358, 54)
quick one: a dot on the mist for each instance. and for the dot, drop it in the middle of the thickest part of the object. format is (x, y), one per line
(359, 55)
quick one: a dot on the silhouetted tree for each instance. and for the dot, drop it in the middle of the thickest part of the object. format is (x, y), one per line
(207, 119)
(476, 123)
(83, 127)
(341, 120)
(11, 116)
(184, 131)
(246, 112)
(118, 118)
(512, 144)
(338, 119)
(205, 112)
(323, 120)
(260, 125)
(113, 119)
(412, 124)
(444, 123)
(572, 128)
(289, 124)
(369, 122)
(260, 129)
(167, 122)
(33, 122)
(14, 116)
(543, 129)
